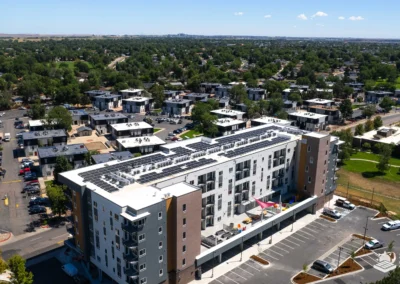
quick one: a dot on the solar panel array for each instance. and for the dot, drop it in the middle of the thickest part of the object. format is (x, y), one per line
(254, 146)
(245, 135)
(201, 146)
(175, 170)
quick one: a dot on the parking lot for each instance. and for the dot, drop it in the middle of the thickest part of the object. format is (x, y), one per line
(319, 239)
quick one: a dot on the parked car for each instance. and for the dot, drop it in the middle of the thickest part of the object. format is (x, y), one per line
(345, 204)
(37, 209)
(175, 138)
(332, 213)
(374, 244)
(70, 269)
(38, 201)
(171, 134)
(109, 110)
(30, 176)
(31, 190)
(322, 266)
(22, 108)
(24, 171)
(24, 160)
(19, 126)
(391, 225)
(33, 181)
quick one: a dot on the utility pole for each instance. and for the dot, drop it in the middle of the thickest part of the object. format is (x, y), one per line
(338, 262)
(292, 222)
(365, 230)
(347, 194)
(372, 197)
(212, 270)
(270, 240)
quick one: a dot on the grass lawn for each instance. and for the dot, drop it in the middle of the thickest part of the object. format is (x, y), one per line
(191, 134)
(369, 170)
(374, 157)
(156, 129)
(71, 64)
(398, 83)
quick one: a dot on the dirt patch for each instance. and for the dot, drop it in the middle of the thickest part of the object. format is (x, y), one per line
(380, 215)
(259, 259)
(391, 254)
(95, 146)
(327, 218)
(303, 278)
(346, 267)
(362, 237)
(362, 251)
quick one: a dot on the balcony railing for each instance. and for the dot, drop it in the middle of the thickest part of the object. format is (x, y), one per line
(129, 227)
(131, 256)
(130, 243)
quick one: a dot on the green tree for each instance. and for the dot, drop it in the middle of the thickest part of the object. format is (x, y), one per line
(369, 111)
(295, 97)
(366, 146)
(385, 153)
(369, 125)
(348, 91)
(238, 93)
(390, 246)
(37, 110)
(57, 198)
(3, 264)
(282, 114)
(205, 121)
(347, 148)
(353, 255)
(88, 156)
(359, 130)
(392, 278)
(59, 117)
(19, 275)
(62, 165)
(157, 93)
(305, 267)
(378, 122)
(346, 109)
(386, 104)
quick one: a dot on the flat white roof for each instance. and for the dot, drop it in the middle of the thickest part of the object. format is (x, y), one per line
(133, 142)
(131, 126)
(228, 122)
(319, 101)
(131, 90)
(308, 114)
(324, 90)
(316, 134)
(136, 99)
(228, 112)
(288, 90)
(34, 123)
(268, 119)
(394, 138)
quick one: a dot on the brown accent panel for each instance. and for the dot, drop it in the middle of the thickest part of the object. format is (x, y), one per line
(79, 238)
(301, 178)
(171, 233)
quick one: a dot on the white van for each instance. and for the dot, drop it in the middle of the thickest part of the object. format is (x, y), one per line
(391, 225)
(332, 213)
(7, 137)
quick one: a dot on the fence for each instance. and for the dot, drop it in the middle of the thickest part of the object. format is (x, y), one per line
(359, 200)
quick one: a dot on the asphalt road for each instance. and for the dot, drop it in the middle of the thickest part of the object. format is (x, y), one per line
(50, 272)
(317, 240)
(35, 243)
(387, 119)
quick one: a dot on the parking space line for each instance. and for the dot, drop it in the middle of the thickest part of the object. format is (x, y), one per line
(230, 279)
(353, 246)
(323, 225)
(290, 241)
(332, 259)
(281, 242)
(368, 262)
(267, 255)
(245, 270)
(311, 235)
(276, 246)
(299, 239)
(251, 266)
(238, 274)
(219, 281)
(314, 226)
(275, 252)
(310, 229)
(334, 253)
(371, 258)
(346, 249)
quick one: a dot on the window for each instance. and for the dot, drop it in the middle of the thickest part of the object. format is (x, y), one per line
(326, 152)
(220, 179)
(142, 267)
(253, 188)
(96, 215)
(160, 259)
(308, 148)
(192, 182)
(184, 221)
(230, 187)
(184, 248)
(309, 179)
(160, 245)
(305, 188)
(142, 252)
(288, 150)
(219, 219)
(219, 202)
(325, 162)
(159, 215)
(184, 235)
(105, 231)
(143, 280)
(184, 207)
(142, 237)
(306, 169)
(184, 262)
(311, 160)
(323, 181)
(116, 217)
(161, 272)
(159, 230)
(230, 170)
(119, 267)
(94, 203)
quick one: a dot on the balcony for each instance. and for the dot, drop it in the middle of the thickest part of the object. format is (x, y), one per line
(130, 243)
(129, 227)
(129, 257)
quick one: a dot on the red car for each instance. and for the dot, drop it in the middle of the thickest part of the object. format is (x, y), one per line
(23, 171)
(32, 181)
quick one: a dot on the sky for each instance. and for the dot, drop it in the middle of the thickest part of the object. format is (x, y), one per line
(303, 18)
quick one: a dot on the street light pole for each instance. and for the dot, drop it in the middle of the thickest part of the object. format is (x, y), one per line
(338, 262)
(292, 222)
(372, 197)
(241, 250)
(365, 231)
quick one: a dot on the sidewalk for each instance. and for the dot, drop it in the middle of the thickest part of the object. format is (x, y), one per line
(225, 267)
(13, 239)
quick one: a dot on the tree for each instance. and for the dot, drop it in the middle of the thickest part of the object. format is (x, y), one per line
(157, 93)
(238, 93)
(386, 104)
(385, 152)
(282, 114)
(348, 91)
(359, 130)
(353, 255)
(366, 146)
(57, 198)
(390, 246)
(19, 275)
(59, 117)
(392, 278)
(305, 267)
(295, 97)
(369, 110)
(88, 156)
(3, 264)
(369, 125)
(205, 121)
(62, 165)
(37, 110)
(346, 109)
(378, 122)
(347, 148)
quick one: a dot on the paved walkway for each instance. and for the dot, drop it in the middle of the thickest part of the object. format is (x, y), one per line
(372, 161)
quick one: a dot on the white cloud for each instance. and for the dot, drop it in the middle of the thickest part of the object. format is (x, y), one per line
(319, 14)
(238, 13)
(356, 18)
(341, 18)
(302, 17)
(267, 16)
(319, 25)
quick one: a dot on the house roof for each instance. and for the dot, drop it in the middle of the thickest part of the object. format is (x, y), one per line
(105, 116)
(106, 157)
(62, 150)
(83, 128)
(43, 134)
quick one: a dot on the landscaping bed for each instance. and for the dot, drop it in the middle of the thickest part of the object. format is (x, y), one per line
(380, 215)
(303, 278)
(346, 267)
(327, 218)
(259, 259)
(362, 237)
(362, 251)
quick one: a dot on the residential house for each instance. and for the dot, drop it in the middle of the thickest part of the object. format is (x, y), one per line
(137, 104)
(36, 139)
(101, 122)
(177, 107)
(308, 121)
(140, 145)
(131, 129)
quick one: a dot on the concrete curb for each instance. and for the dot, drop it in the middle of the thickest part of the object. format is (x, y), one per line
(341, 275)
(7, 238)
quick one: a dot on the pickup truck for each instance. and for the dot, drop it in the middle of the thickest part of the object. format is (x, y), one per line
(7, 137)
(345, 204)
(391, 225)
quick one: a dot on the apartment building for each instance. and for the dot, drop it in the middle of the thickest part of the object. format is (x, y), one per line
(376, 96)
(35, 139)
(128, 93)
(319, 102)
(229, 113)
(131, 129)
(332, 112)
(102, 122)
(141, 145)
(111, 156)
(132, 216)
(177, 107)
(228, 126)
(75, 154)
(256, 94)
(268, 120)
(108, 101)
(137, 104)
(195, 97)
(308, 121)
(94, 93)
(209, 88)
(171, 94)
(222, 91)
(79, 117)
